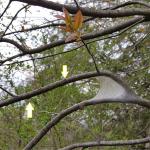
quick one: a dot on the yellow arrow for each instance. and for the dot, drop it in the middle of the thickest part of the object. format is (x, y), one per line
(29, 109)
(64, 71)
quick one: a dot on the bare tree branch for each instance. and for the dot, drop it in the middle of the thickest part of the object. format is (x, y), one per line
(86, 46)
(91, 54)
(11, 58)
(88, 36)
(130, 3)
(13, 19)
(9, 93)
(47, 56)
(76, 107)
(87, 11)
(60, 83)
(43, 26)
(17, 45)
(36, 28)
(107, 143)
(5, 8)
(111, 36)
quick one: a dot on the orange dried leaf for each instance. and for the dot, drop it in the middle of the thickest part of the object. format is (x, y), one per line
(67, 16)
(78, 20)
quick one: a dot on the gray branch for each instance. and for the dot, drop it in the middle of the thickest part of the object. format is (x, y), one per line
(107, 143)
(89, 12)
(76, 107)
(88, 36)
(63, 82)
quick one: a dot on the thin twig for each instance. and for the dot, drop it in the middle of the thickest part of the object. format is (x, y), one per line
(77, 4)
(5, 9)
(47, 56)
(34, 65)
(9, 93)
(44, 26)
(88, 12)
(93, 58)
(99, 39)
(130, 3)
(13, 19)
(93, 144)
(61, 42)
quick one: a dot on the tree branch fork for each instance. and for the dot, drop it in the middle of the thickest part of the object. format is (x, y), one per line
(81, 106)
(76, 107)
